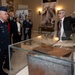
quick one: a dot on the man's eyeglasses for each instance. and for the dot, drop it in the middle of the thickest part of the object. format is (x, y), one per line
(59, 13)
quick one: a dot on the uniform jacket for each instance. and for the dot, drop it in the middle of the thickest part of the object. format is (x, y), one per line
(4, 36)
(27, 24)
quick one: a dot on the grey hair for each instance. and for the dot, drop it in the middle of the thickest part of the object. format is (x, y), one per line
(63, 11)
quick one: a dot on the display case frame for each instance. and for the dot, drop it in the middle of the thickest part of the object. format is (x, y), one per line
(25, 48)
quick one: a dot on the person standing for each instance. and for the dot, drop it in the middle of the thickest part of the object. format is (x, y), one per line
(19, 29)
(27, 25)
(4, 39)
(64, 28)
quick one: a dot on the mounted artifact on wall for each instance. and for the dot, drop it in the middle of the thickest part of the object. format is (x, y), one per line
(48, 12)
(10, 5)
(48, 15)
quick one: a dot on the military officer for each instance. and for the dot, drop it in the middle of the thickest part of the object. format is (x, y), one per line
(4, 39)
(27, 25)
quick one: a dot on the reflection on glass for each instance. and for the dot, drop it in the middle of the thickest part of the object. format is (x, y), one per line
(42, 53)
(72, 36)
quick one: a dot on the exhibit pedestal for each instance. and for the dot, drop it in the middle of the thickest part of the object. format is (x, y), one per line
(45, 65)
(44, 56)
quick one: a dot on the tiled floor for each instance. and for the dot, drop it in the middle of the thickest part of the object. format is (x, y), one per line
(24, 71)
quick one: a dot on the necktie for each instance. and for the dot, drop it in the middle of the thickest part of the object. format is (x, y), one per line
(60, 25)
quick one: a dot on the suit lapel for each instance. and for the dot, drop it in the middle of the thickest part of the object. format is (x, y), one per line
(64, 23)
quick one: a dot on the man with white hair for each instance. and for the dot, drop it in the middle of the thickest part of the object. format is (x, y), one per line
(4, 39)
(64, 28)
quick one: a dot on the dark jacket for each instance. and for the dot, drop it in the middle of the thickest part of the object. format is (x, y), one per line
(4, 36)
(67, 26)
(27, 24)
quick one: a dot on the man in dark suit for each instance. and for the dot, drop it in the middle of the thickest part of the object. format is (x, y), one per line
(4, 39)
(14, 31)
(64, 28)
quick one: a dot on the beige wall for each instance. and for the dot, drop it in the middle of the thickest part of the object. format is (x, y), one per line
(0, 2)
(34, 4)
(68, 5)
(3, 2)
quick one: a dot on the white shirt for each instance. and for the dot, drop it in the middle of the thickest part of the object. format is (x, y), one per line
(2, 20)
(18, 26)
(62, 29)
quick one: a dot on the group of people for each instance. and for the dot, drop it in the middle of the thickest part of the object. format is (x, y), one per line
(11, 27)
(18, 29)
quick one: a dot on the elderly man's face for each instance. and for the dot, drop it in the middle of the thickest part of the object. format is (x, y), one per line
(3, 15)
(61, 14)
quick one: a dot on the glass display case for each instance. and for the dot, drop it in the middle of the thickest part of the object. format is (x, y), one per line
(42, 55)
